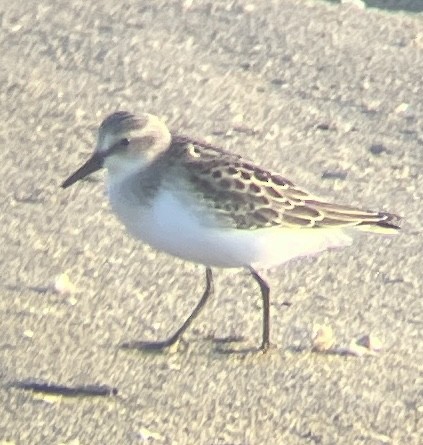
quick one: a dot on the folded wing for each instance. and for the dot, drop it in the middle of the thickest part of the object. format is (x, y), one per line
(248, 197)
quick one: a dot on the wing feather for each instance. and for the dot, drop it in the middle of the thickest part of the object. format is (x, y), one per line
(249, 197)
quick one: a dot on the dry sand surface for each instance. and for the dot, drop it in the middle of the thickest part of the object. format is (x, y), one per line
(329, 95)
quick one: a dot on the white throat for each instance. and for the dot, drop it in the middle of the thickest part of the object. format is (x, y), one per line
(119, 167)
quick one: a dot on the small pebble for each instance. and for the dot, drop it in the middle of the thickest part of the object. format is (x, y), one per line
(63, 285)
(323, 338)
(377, 149)
(370, 342)
(402, 108)
(28, 333)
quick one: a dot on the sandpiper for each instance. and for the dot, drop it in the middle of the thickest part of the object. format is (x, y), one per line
(210, 206)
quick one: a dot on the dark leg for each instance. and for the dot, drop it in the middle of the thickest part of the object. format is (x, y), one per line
(174, 338)
(265, 291)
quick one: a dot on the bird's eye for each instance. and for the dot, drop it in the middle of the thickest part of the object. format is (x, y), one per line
(118, 146)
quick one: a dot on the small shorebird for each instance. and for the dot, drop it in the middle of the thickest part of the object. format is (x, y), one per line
(210, 206)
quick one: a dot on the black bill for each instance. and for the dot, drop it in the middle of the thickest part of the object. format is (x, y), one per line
(92, 165)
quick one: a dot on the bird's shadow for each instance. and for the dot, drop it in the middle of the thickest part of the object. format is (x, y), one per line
(162, 347)
(220, 348)
(48, 388)
(153, 347)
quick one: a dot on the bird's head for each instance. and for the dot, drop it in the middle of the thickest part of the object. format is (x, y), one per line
(125, 143)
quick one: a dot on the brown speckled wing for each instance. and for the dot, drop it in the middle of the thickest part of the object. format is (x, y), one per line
(248, 197)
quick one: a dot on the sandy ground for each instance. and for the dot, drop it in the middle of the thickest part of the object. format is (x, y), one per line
(331, 96)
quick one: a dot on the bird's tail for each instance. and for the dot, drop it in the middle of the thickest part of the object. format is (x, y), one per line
(383, 222)
(345, 216)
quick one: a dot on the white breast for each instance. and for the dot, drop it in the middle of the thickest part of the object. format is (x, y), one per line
(170, 226)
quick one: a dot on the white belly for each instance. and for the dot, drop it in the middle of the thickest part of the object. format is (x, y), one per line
(171, 227)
